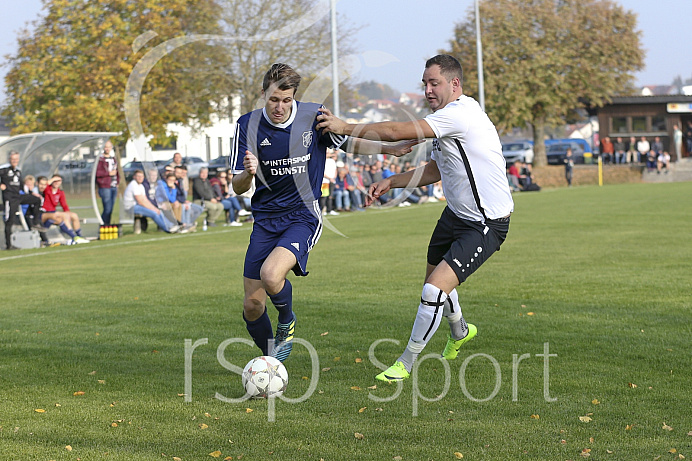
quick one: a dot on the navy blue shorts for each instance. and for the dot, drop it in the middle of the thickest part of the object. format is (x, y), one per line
(297, 231)
(465, 245)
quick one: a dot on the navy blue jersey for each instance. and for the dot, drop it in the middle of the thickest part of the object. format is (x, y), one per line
(291, 158)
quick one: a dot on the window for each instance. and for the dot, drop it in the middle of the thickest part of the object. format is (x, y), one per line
(639, 124)
(619, 125)
(220, 141)
(658, 123)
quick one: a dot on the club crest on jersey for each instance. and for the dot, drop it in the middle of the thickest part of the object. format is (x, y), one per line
(307, 138)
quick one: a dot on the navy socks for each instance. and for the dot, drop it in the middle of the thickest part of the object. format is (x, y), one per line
(283, 301)
(261, 331)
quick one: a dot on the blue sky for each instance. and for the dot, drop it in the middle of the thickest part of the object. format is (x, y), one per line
(410, 31)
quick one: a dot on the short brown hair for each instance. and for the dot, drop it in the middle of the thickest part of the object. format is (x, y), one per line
(283, 76)
(450, 67)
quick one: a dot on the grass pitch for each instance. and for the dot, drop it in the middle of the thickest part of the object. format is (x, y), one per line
(584, 325)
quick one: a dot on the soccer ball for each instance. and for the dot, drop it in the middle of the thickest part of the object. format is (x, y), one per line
(265, 377)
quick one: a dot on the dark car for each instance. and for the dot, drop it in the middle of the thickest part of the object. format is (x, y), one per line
(556, 150)
(218, 164)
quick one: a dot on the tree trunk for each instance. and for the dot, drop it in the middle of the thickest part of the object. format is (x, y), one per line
(539, 158)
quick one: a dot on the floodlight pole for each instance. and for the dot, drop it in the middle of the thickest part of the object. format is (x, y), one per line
(479, 54)
(335, 58)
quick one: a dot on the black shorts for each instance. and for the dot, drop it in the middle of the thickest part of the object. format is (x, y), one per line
(465, 245)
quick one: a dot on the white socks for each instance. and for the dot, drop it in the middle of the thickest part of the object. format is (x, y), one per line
(452, 310)
(427, 321)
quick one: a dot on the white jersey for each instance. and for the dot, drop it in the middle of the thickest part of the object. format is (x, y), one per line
(465, 121)
(133, 189)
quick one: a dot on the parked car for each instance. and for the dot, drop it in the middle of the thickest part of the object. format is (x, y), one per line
(193, 164)
(219, 163)
(130, 168)
(556, 150)
(518, 150)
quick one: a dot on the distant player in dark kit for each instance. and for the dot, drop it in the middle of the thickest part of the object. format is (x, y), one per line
(281, 150)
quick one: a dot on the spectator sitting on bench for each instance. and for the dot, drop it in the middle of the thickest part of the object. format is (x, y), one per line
(167, 200)
(228, 198)
(188, 211)
(53, 196)
(135, 201)
(203, 195)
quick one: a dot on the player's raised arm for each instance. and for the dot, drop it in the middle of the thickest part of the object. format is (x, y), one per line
(382, 131)
(243, 181)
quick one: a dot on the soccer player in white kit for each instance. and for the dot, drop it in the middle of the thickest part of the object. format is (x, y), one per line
(467, 157)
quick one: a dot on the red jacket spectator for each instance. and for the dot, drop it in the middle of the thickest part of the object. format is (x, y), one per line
(52, 198)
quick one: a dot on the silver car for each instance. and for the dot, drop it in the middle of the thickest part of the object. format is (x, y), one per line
(518, 150)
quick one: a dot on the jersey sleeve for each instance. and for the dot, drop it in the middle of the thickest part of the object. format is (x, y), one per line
(448, 122)
(63, 202)
(239, 148)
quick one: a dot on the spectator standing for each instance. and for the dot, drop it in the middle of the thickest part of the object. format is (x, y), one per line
(11, 185)
(107, 180)
(189, 212)
(632, 152)
(342, 188)
(327, 200)
(203, 195)
(569, 167)
(688, 137)
(677, 142)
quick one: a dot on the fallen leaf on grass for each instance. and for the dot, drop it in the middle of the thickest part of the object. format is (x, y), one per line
(629, 427)
(610, 452)
(324, 334)
(529, 313)
(114, 424)
(362, 410)
(355, 388)
(358, 436)
(326, 369)
(58, 405)
(595, 401)
(373, 387)
(249, 410)
(672, 450)
(305, 378)
(102, 381)
(68, 447)
(228, 458)
(336, 359)
(585, 419)
(203, 426)
(92, 373)
(215, 454)
(458, 455)
(690, 433)
(397, 458)
(359, 360)
(207, 415)
(40, 410)
(591, 439)
(563, 441)
(667, 427)
(535, 417)
(175, 458)
(632, 385)
(79, 393)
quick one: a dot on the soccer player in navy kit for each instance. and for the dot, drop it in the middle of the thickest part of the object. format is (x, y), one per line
(467, 157)
(281, 150)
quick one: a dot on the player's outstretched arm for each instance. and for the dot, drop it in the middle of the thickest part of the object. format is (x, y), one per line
(382, 131)
(242, 182)
(366, 147)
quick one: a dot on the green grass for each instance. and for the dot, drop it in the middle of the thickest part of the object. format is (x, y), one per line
(605, 271)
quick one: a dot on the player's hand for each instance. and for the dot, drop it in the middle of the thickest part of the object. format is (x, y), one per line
(250, 163)
(377, 190)
(329, 122)
(401, 148)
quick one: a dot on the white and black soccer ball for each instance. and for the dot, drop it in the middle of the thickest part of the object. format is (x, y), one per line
(265, 377)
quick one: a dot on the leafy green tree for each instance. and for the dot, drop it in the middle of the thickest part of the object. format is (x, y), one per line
(71, 70)
(545, 59)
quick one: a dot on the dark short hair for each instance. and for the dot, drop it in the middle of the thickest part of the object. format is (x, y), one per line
(181, 167)
(137, 172)
(450, 67)
(41, 178)
(170, 174)
(283, 76)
